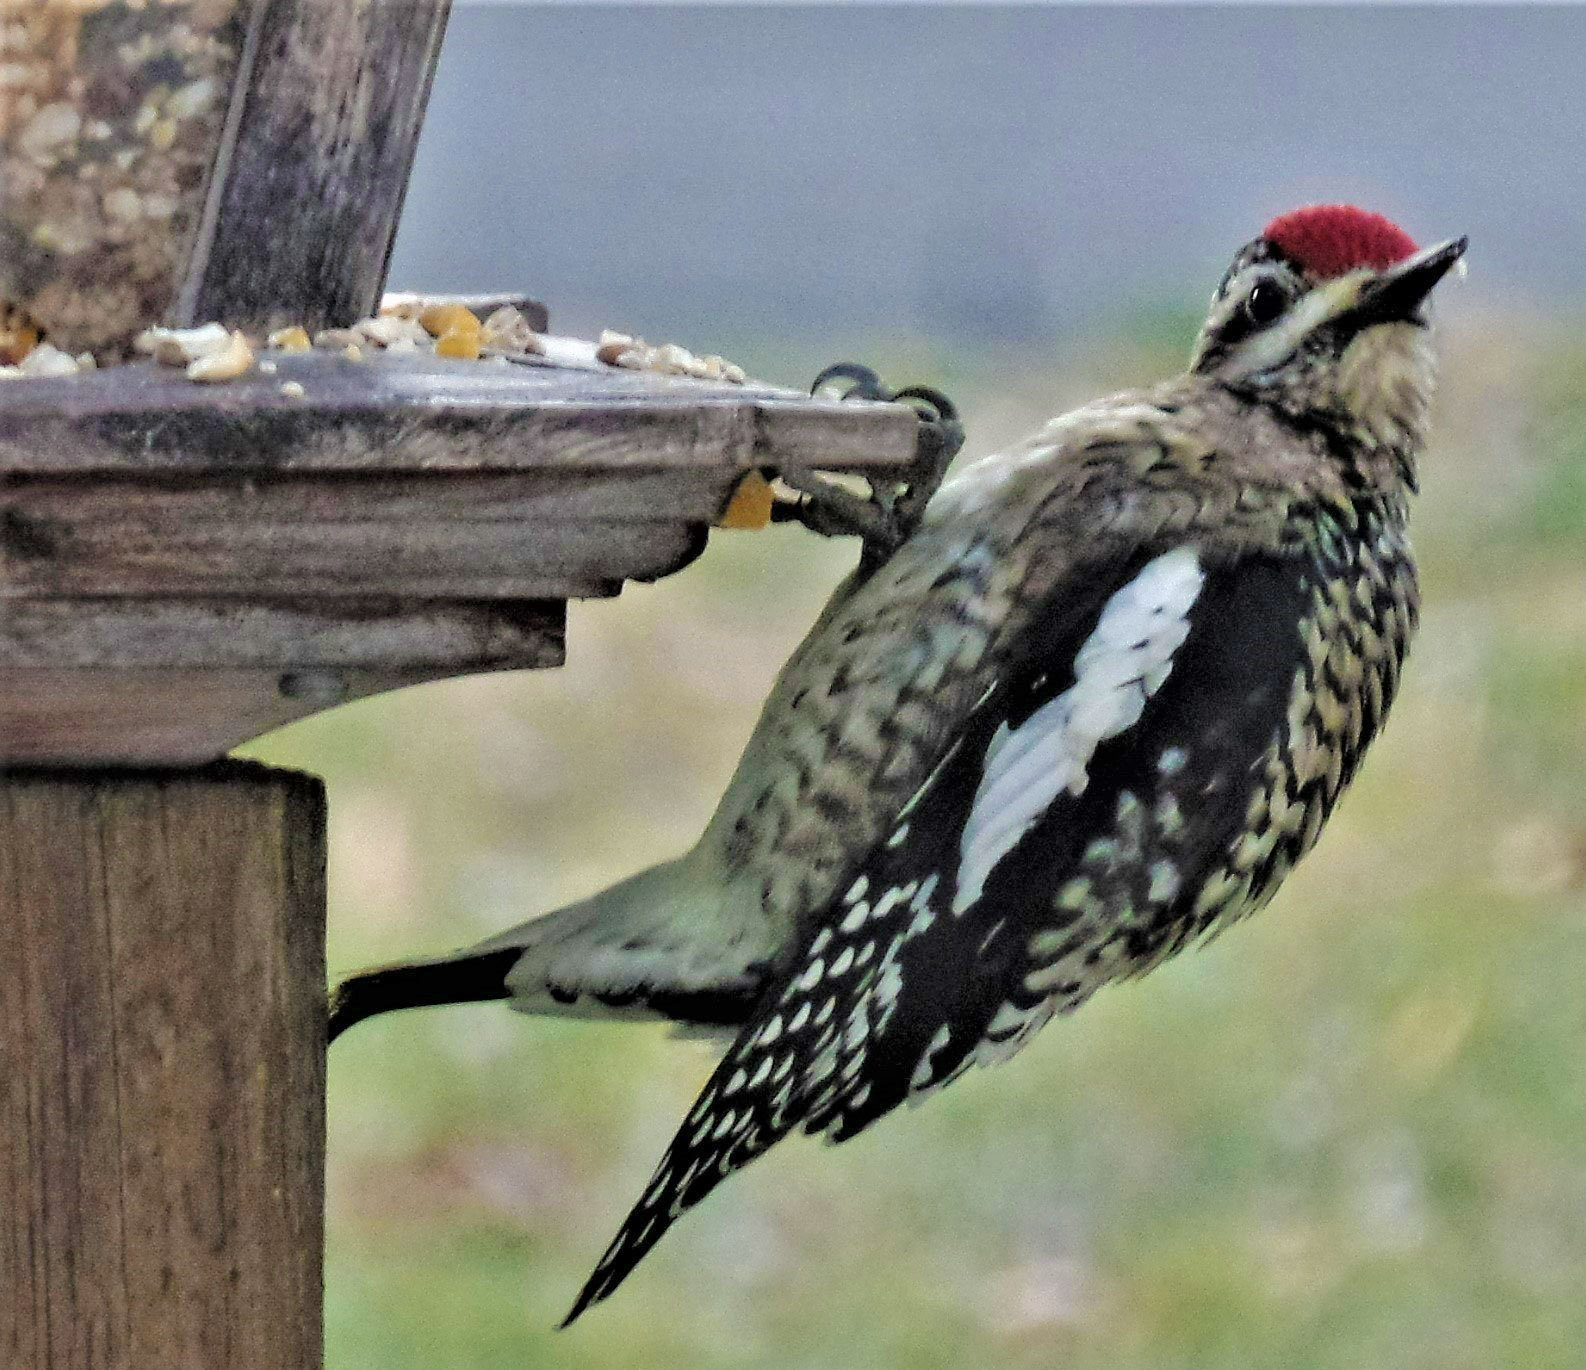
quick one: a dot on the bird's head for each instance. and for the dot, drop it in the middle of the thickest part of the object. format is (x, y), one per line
(1324, 316)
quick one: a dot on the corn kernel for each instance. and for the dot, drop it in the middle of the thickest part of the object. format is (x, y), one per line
(225, 364)
(458, 342)
(750, 505)
(18, 337)
(441, 319)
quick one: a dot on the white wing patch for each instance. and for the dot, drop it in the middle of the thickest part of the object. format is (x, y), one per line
(1121, 665)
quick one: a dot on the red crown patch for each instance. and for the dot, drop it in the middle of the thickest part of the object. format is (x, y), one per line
(1328, 240)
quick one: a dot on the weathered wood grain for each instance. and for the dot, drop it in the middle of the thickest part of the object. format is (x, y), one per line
(162, 1071)
(305, 197)
(277, 522)
(217, 634)
(134, 716)
(419, 538)
(389, 413)
(448, 491)
(546, 496)
(167, 682)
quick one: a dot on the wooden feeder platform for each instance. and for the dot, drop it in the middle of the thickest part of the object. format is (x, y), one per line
(185, 566)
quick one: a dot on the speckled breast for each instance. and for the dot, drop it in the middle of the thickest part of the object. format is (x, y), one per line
(1362, 603)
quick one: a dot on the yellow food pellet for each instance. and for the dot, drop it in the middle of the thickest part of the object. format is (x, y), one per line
(457, 342)
(293, 390)
(441, 319)
(16, 341)
(750, 505)
(224, 364)
(293, 339)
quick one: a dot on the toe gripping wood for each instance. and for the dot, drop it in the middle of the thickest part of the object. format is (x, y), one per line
(896, 503)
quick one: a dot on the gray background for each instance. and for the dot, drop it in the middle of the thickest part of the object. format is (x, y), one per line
(976, 173)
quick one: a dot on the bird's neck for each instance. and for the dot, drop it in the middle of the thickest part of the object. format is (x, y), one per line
(1374, 450)
(1383, 400)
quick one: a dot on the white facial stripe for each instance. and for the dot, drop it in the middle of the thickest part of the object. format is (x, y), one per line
(1271, 346)
(1122, 663)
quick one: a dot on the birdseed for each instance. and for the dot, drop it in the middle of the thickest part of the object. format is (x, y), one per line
(110, 116)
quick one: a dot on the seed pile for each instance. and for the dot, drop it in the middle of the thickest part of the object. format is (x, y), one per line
(618, 349)
(212, 352)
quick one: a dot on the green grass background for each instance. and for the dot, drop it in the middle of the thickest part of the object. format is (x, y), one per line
(1351, 1133)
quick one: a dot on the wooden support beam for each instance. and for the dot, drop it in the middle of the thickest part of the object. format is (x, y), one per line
(162, 1070)
(412, 540)
(389, 413)
(325, 119)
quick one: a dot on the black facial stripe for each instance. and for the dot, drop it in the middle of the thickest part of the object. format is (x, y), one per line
(1239, 325)
(1258, 250)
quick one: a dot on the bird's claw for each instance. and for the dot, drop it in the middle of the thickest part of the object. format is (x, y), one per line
(894, 507)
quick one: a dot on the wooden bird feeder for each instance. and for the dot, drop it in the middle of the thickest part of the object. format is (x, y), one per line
(184, 566)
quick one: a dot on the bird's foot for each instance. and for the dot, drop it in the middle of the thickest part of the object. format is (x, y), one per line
(895, 505)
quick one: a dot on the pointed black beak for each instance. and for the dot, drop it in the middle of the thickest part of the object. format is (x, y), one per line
(1397, 294)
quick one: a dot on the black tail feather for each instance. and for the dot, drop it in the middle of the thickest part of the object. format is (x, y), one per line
(420, 984)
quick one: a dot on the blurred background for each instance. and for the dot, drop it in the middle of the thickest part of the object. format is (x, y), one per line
(1353, 1132)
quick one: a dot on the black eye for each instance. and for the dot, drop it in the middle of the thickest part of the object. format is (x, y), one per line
(1266, 301)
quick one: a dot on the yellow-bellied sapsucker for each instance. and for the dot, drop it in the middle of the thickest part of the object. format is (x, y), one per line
(1095, 705)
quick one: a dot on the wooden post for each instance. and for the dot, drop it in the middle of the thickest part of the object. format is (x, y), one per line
(326, 119)
(162, 1070)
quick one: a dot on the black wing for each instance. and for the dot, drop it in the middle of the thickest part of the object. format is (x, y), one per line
(915, 973)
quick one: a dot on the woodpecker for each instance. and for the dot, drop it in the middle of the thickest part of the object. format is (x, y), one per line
(1092, 707)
